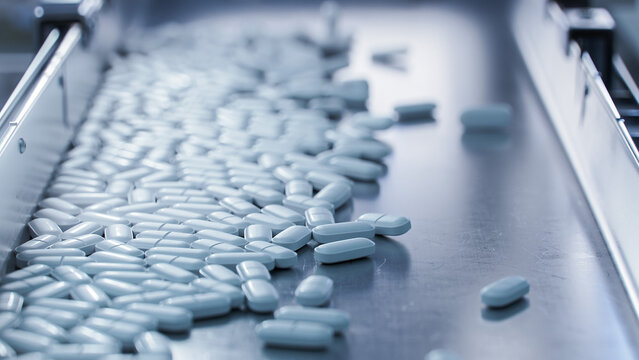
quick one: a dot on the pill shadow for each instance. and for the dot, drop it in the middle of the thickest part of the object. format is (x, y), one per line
(337, 350)
(365, 189)
(416, 121)
(486, 140)
(360, 272)
(391, 253)
(398, 66)
(500, 314)
(344, 212)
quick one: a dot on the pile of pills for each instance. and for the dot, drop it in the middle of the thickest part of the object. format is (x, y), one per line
(204, 164)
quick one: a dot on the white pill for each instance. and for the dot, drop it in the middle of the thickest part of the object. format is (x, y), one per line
(133, 277)
(320, 179)
(151, 297)
(285, 213)
(118, 247)
(295, 334)
(315, 290)
(357, 169)
(202, 209)
(221, 192)
(221, 236)
(43, 226)
(86, 243)
(118, 232)
(10, 320)
(154, 344)
(58, 260)
(221, 273)
(43, 327)
(170, 318)
(85, 335)
(62, 219)
(261, 296)
(386, 224)
(11, 301)
(26, 341)
(59, 204)
(250, 269)
(141, 196)
(238, 206)
(284, 257)
(419, 111)
(147, 207)
(229, 219)
(83, 228)
(179, 215)
(340, 231)
(301, 203)
(344, 250)
(338, 320)
(194, 253)
(81, 351)
(174, 287)
(71, 275)
(90, 293)
(214, 246)
(286, 174)
(59, 289)
(27, 284)
(115, 257)
(27, 272)
(336, 193)
(7, 352)
(172, 273)
(102, 219)
(148, 243)
(122, 331)
(138, 217)
(234, 293)
(198, 225)
(293, 238)
(202, 306)
(183, 262)
(263, 196)
(113, 287)
(145, 226)
(258, 232)
(93, 268)
(232, 259)
(75, 306)
(63, 318)
(373, 122)
(105, 206)
(276, 224)
(39, 242)
(488, 117)
(185, 192)
(316, 216)
(145, 321)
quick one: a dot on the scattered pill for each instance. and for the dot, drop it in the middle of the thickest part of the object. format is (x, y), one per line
(338, 320)
(315, 290)
(386, 224)
(340, 231)
(344, 250)
(504, 292)
(295, 334)
(170, 318)
(261, 296)
(488, 117)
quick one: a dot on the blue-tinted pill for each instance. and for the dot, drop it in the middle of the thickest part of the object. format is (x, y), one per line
(505, 291)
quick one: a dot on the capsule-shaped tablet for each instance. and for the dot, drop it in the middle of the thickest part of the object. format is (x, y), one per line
(43, 226)
(118, 232)
(505, 291)
(299, 187)
(11, 301)
(293, 238)
(340, 231)
(63, 318)
(198, 224)
(205, 305)
(93, 268)
(316, 216)
(148, 243)
(250, 269)
(418, 111)
(63, 220)
(154, 344)
(336, 193)
(118, 247)
(24, 257)
(83, 308)
(83, 228)
(301, 203)
(258, 232)
(59, 204)
(221, 273)
(285, 213)
(106, 205)
(221, 192)
(344, 250)
(58, 289)
(60, 260)
(145, 321)
(139, 217)
(147, 208)
(488, 117)
(295, 334)
(207, 285)
(39, 242)
(144, 226)
(114, 257)
(6, 351)
(284, 257)
(357, 169)
(170, 318)
(26, 341)
(338, 320)
(43, 327)
(81, 351)
(238, 206)
(102, 219)
(183, 262)
(85, 335)
(227, 218)
(386, 224)
(319, 179)
(179, 215)
(286, 174)
(113, 287)
(221, 236)
(10, 320)
(214, 246)
(261, 296)
(90, 293)
(141, 195)
(263, 196)
(86, 243)
(25, 273)
(85, 199)
(174, 287)
(172, 273)
(133, 277)
(194, 253)
(232, 259)
(123, 331)
(71, 275)
(27, 285)
(315, 290)
(276, 224)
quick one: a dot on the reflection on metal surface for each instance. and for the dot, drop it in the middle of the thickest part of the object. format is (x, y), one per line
(486, 140)
(491, 314)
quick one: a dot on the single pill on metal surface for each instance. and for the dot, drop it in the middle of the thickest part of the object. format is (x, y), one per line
(386, 224)
(338, 320)
(207, 284)
(293, 238)
(205, 305)
(43, 327)
(295, 334)
(419, 111)
(315, 290)
(232, 259)
(488, 117)
(340, 231)
(299, 187)
(153, 343)
(336, 193)
(221, 273)
(43, 226)
(71, 275)
(275, 223)
(261, 296)
(90, 293)
(344, 250)
(76, 306)
(118, 232)
(284, 257)
(250, 269)
(11, 301)
(26, 341)
(504, 292)
(172, 273)
(258, 232)
(170, 318)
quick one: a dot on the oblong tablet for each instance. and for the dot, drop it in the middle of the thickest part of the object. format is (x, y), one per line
(90, 293)
(83, 228)
(11, 301)
(26, 341)
(232, 259)
(118, 247)
(199, 224)
(148, 243)
(505, 291)
(295, 334)
(285, 213)
(258, 232)
(59, 289)
(263, 196)
(238, 206)
(63, 318)
(70, 274)
(133, 277)
(39, 242)
(221, 236)
(85, 335)
(336, 193)
(494, 116)
(153, 343)
(26, 285)
(114, 257)
(221, 273)
(317, 216)
(284, 257)
(276, 224)
(174, 287)
(202, 305)
(386, 224)
(93, 268)
(172, 273)
(340, 231)
(299, 187)
(27, 272)
(357, 169)
(250, 269)
(207, 284)
(261, 296)
(170, 318)
(344, 250)
(142, 320)
(43, 226)
(194, 253)
(43, 327)
(183, 262)
(215, 246)
(114, 287)
(118, 232)
(319, 179)
(301, 203)
(24, 257)
(315, 290)
(76, 306)
(338, 320)
(293, 238)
